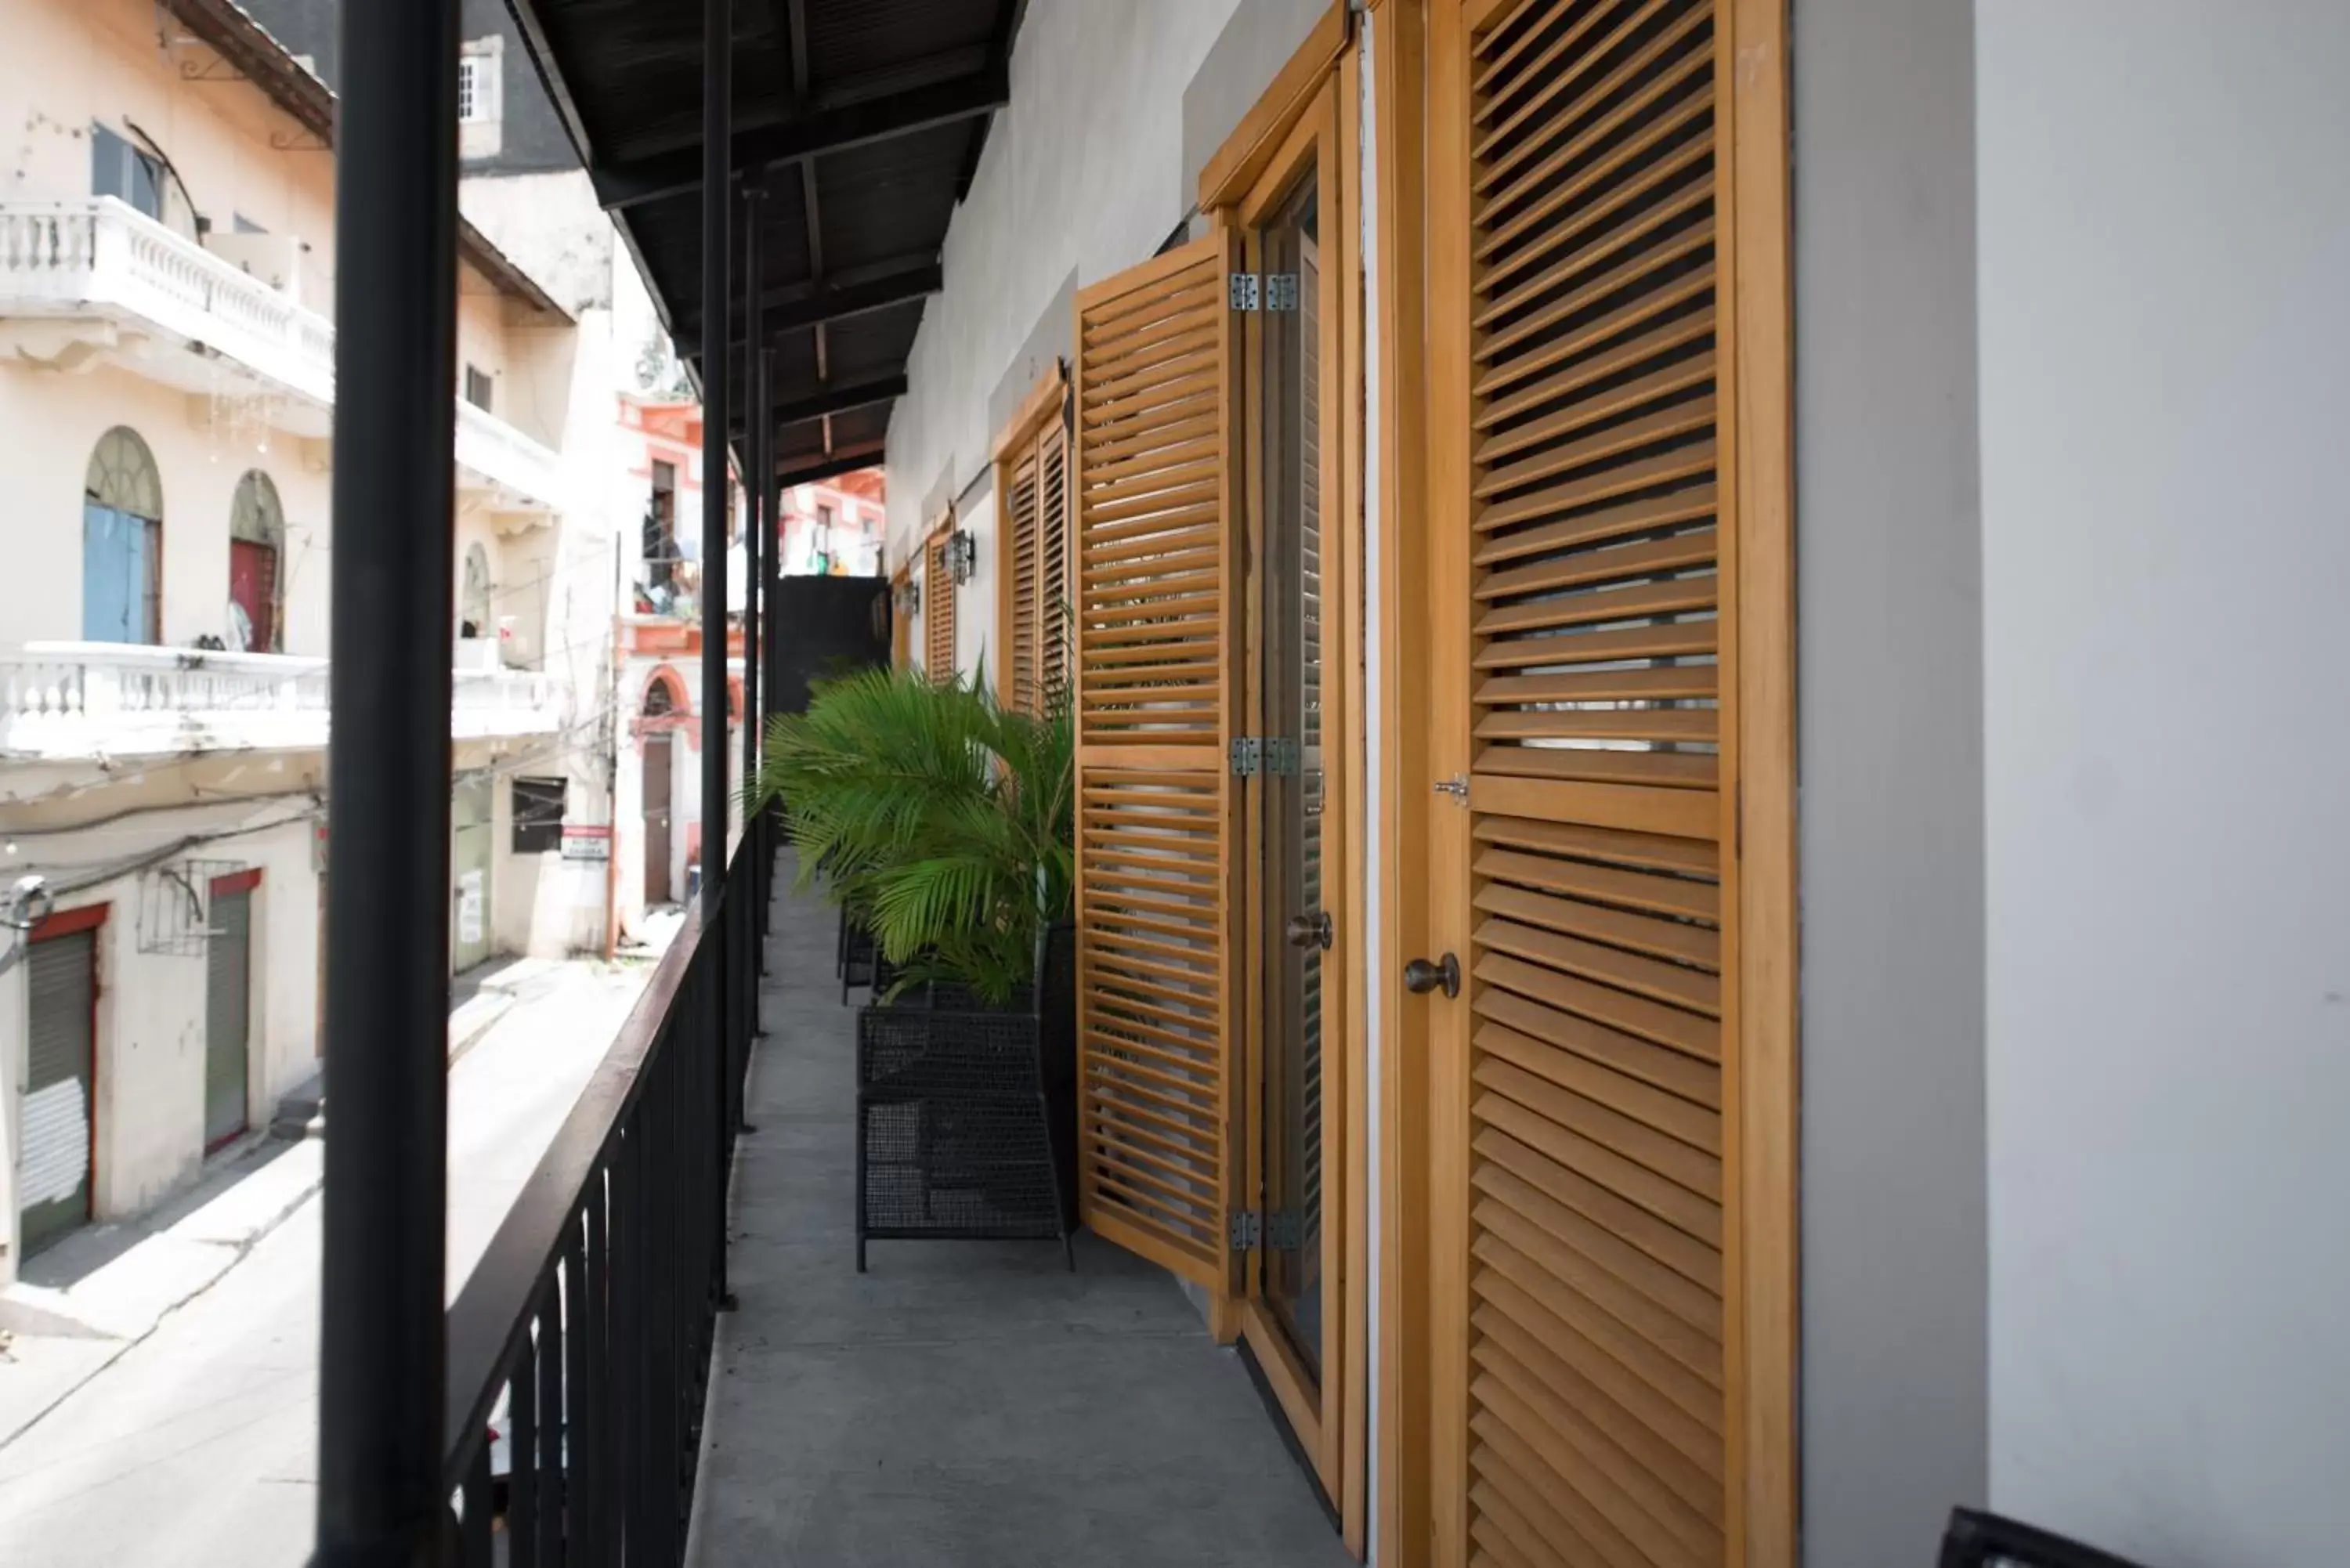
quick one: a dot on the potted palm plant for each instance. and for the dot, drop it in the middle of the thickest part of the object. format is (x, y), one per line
(944, 821)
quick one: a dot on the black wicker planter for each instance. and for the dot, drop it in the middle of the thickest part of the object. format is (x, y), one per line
(966, 1114)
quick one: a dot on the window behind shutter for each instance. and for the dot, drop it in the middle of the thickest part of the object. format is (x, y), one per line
(1155, 586)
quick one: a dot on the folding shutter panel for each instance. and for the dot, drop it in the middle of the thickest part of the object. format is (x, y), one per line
(1037, 546)
(1055, 603)
(1595, 1407)
(1157, 577)
(938, 610)
(1021, 551)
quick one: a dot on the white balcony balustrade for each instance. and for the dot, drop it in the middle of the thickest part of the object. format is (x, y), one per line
(94, 278)
(78, 701)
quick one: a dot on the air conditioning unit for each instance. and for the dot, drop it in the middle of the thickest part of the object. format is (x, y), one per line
(274, 259)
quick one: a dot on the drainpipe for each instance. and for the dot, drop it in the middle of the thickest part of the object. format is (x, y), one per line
(382, 1349)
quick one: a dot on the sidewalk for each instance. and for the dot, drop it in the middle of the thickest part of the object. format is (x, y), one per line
(88, 1300)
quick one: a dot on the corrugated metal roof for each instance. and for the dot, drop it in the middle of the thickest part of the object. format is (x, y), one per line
(865, 117)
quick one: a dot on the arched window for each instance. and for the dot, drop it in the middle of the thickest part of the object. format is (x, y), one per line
(257, 533)
(474, 606)
(665, 696)
(660, 703)
(121, 542)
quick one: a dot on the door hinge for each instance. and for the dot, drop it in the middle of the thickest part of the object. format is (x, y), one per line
(1276, 755)
(1283, 1230)
(1245, 289)
(1281, 291)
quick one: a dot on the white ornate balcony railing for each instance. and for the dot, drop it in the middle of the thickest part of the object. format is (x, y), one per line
(97, 259)
(62, 701)
(97, 256)
(525, 473)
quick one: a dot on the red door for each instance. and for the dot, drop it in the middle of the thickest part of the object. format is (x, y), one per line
(253, 584)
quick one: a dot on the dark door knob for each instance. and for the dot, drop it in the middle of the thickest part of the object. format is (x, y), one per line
(1309, 931)
(1420, 977)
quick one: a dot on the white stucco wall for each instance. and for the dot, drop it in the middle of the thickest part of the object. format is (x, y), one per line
(1083, 170)
(70, 63)
(151, 1008)
(55, 420)
(2164, 240)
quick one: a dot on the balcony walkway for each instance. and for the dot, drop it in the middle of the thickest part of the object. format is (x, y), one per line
(964, 1404)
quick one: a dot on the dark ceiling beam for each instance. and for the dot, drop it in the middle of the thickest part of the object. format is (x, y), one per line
(794, 307)
(827, 131)
(837, 400)
(839, 460)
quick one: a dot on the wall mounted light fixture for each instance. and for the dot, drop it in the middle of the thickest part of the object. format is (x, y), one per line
(962, 555)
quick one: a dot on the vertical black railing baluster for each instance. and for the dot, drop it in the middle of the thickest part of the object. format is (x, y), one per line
(554, 1496)
(629, 1274)
(522, 1458)
(584, 1388)
(474, 1539)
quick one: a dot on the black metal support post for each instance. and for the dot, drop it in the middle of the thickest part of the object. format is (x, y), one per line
(717, 208)
(383, 1336)
(761, 543)
(770, 654)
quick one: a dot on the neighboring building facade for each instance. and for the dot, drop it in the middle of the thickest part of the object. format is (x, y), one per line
(2018, 524)
(657, 800)
(167, 372)
(836, 527)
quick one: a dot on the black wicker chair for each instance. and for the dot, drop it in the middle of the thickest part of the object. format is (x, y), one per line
(1976, 1540)
(966, 1116)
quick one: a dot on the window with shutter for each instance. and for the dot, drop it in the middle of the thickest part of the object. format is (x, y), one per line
(1155, 578)
(939, 605)
(1034, 604)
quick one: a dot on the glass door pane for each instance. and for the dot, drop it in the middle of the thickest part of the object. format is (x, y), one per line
(1292, 792)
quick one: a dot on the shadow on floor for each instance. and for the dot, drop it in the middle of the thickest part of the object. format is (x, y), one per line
(964, 1404)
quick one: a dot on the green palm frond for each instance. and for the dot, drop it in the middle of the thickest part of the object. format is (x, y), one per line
(943, 820)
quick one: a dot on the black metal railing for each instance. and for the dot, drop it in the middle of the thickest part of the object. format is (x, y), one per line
(580, 1350)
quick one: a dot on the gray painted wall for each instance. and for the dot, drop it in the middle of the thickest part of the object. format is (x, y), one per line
(1254, 44)
(1889, 678)
(1115, 106)
(2165, 234)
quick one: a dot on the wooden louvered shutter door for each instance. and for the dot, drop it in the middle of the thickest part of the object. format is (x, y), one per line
(1156, 575)
(938, 610)
(1572, 178)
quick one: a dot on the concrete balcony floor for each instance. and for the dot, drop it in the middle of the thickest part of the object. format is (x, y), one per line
(964, 1404)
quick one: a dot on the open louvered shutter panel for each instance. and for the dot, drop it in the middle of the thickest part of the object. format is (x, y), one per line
(1035, 494)
(937, 609)
(1596, 1407)
(1156, 581)
(1024, 552)
(1055, 603)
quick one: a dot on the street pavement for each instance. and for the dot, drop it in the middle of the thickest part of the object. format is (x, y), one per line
(196, 1444)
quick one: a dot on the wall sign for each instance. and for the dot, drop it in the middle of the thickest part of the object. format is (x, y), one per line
(589, 843)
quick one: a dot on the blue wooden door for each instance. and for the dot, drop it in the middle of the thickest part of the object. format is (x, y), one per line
(114, 567)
